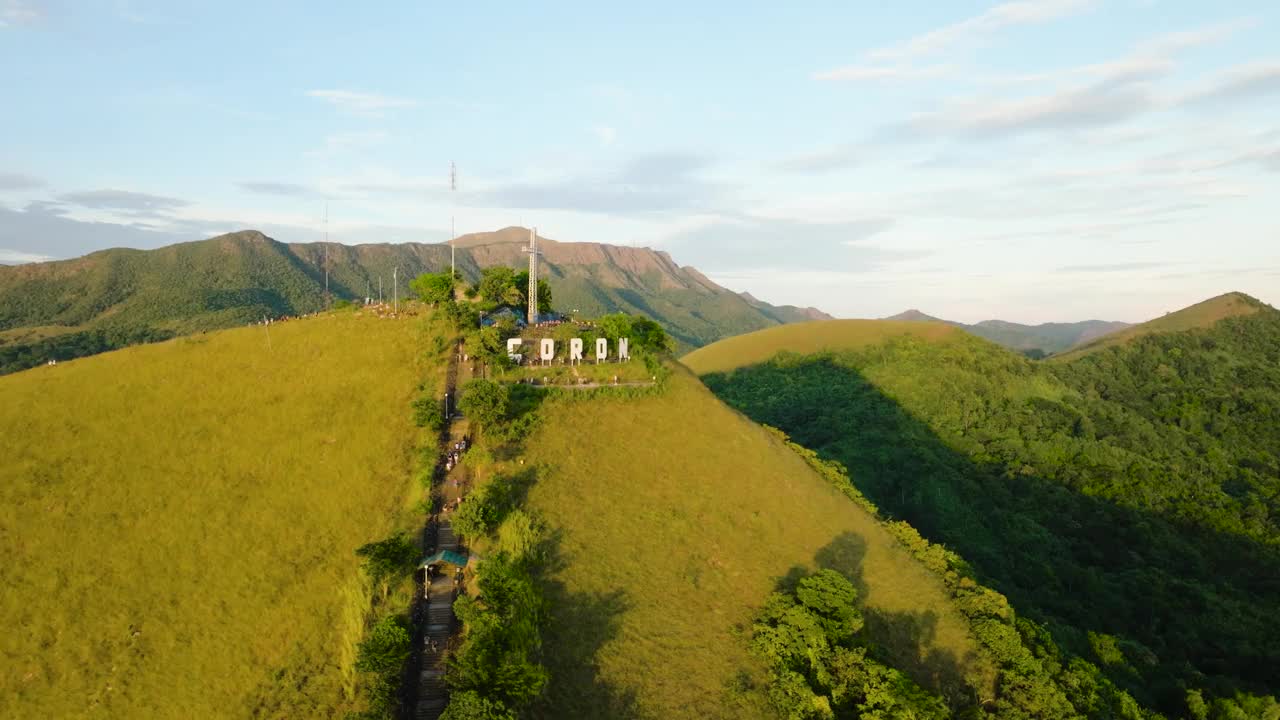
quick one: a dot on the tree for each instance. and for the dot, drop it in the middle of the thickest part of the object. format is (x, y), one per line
(490, 344)
(831, 597)
(484, 401)
(496, 283)
(387, 559)
(427, 413)
(809, 640)
(434, 288)
(463, 315)
(544, 291)
(385, 649)
(470, 705)
(615, 325)
(642, 331)
(648, 334)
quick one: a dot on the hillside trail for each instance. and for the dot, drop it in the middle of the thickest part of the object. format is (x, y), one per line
(433, 609)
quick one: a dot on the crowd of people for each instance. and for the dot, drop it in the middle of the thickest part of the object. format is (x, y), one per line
(455, 455)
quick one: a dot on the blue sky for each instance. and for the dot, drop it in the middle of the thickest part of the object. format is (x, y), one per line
(1035, 161)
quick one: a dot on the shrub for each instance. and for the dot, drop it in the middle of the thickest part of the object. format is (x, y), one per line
(428, 414)
(484, 401)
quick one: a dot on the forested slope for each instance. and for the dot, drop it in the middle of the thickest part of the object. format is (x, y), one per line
(1130, 498)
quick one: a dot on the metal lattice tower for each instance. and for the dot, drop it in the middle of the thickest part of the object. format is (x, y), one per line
(533, 274)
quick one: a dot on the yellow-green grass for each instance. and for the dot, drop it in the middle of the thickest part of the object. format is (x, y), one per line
(178, 521)
(1200, 315)
(674, 518)
(808, 338)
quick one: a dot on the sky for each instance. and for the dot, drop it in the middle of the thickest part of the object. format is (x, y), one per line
(1034, 161)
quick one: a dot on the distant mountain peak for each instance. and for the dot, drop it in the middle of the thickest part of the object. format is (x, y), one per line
(914, 315)
(508, 235)
(785, 313)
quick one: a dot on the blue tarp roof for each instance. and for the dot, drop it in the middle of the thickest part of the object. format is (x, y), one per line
(448, 556)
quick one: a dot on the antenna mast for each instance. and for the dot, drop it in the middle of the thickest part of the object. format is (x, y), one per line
(533, 275)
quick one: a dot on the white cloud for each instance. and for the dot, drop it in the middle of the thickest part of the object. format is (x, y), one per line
(18, 181)
(895, 62)
(361, 103)
(338, 143)
(1255, 78)
(17, 257)
(883, 72)
(605, 134)
(839, 157)
(745, 242)
(975, 29)
(1098, 94)
(268, 187)
(17, 12)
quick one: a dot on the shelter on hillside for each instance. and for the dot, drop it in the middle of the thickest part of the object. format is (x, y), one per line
(498, 315)
(550, 318)
(449, 556)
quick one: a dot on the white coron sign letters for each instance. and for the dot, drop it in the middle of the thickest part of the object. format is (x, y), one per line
(547, 350)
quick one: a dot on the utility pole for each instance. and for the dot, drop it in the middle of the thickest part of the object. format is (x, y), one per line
(326, 256)
(379, 289)
(453, 232)
(396, 292)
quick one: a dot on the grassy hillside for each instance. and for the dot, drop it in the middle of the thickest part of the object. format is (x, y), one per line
(807, 338)
(178, 520)
(1201, 315)
(1129, 498)
(674, 518)
(120, 297)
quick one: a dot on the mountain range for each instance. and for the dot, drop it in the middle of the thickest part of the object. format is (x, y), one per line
(1033, 340)
(118, 297)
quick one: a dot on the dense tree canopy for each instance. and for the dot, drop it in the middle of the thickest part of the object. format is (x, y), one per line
(434, 288)
(820, 666)
(1129, 498)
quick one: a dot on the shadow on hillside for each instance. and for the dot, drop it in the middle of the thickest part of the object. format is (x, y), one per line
(578, 626)
(905, 640)
(1195, 606)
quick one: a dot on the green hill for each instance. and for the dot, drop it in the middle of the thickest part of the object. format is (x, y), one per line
(657, 523)
(1201, 315)
(1129, 498)
(120, 297)
(808, 338)
(178, 520)
(675, 518)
